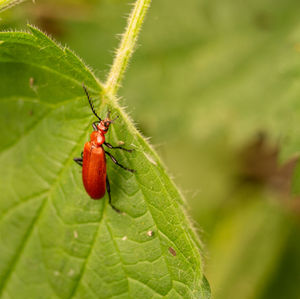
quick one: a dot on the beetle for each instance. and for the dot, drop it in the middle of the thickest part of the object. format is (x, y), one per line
(93, 160)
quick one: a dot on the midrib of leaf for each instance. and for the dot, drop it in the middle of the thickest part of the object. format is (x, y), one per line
(22, 247)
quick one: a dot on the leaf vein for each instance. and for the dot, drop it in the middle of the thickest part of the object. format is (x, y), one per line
(20, 250)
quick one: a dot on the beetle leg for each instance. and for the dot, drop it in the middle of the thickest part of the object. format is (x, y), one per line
(109, 196)
(78, 161)
(119, 147)
(95, 123)
(117, 163)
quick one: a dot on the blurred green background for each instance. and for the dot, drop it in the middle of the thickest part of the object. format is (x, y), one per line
(216, 84)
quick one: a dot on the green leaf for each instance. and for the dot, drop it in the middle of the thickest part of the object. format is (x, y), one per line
(235, 66)
(55, 240)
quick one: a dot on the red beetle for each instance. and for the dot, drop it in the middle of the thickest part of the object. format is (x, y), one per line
(93, 162)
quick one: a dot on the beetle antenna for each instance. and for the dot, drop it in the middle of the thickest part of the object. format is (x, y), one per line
(113, 120)
(90, 101)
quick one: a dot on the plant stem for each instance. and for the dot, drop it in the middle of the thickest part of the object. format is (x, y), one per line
(5, 4)
(127, 46)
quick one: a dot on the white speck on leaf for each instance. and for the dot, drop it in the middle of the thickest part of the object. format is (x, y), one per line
(150, 233)
(124, 238)
(75, 233)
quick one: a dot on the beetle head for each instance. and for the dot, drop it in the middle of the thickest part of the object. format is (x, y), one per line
(104, 124)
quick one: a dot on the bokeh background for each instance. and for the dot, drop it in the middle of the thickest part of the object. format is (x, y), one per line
(216, 85)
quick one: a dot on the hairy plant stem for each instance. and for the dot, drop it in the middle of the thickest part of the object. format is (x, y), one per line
(126, 47)
(5, 4)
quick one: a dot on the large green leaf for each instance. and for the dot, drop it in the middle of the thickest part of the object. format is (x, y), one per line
(235, 66)
(55, 241)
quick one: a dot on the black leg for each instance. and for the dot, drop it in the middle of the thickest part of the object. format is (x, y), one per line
(78, 161)
(119, 147)
(117, 163)
(109, 196)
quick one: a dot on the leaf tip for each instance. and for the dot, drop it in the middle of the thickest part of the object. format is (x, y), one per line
(43, 37)
(33, 28)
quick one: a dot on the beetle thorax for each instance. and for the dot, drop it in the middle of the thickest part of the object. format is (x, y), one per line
(97, 138)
